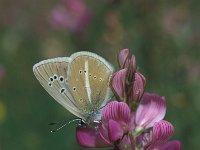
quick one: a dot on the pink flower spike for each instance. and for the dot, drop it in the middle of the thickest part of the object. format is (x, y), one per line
(151, 109)
(115, 131)
(118, 83)
(60, 18)
(123, 57)
(89, 137)
(117, 111)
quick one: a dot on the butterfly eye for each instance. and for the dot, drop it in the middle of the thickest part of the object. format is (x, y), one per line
(80, 71)
(100, 79)
(51, 79)
(85, 71)
(74, 88)
(90, 75)
(95, 77)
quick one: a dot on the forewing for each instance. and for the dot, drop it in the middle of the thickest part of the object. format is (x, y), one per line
(52, 75)
(89, 77)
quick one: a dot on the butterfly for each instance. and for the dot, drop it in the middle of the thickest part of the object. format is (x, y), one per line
(80, 83)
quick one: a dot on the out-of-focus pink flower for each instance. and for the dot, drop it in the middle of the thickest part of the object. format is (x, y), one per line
(151, 109)
(73, 15)
(174, 20)
(128, 84)
(116, 122)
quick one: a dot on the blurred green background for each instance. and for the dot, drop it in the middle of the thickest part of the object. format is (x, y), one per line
(164, 36)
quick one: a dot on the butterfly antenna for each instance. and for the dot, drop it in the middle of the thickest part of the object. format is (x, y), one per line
(63, 125)
(52, 123)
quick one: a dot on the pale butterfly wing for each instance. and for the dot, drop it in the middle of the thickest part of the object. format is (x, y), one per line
(88, 78)
(80, 83)
(52, 75)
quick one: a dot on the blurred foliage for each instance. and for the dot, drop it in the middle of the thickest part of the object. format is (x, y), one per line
(164, 36)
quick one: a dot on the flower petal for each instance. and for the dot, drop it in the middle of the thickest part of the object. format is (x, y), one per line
(125, 143)
(171, 145)
(162, 131)
(117, 111)
(123, 57)
(152, 108)
(131, 69)
(90, 137)
(138, 86)
(115, 131)
(118, 83)
(103, 131)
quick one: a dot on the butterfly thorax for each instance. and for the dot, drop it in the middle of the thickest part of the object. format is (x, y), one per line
(92, 124)
(92, 119)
